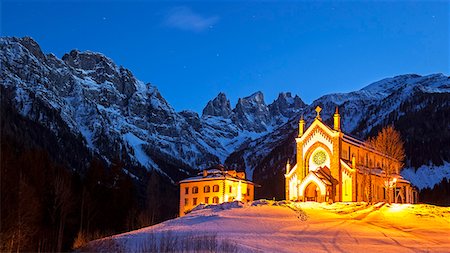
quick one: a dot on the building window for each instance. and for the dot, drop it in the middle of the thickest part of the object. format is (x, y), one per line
(216, 200)
(194, 201)
(206, 188)
(186, 190)
(186, 202)
(206, 200)
(230, 189)
(215, 188)
(248, 192)
(319, 158)
(195, 190)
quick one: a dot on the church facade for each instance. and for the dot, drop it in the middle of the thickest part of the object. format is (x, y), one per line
(335, 167)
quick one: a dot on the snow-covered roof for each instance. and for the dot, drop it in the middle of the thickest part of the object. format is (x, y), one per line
(218, 174)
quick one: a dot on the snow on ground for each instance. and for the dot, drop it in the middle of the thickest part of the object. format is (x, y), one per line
(427, 176)
(268, 226)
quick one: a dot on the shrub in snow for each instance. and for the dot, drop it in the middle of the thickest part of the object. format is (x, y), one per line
(218, 207)
(172, 242)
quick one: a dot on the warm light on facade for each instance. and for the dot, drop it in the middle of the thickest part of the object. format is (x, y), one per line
(214, 187)
(342, 167)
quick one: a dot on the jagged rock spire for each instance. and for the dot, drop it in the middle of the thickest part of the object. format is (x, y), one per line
(219, 106)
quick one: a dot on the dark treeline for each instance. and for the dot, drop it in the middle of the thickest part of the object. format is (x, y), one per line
(56, 195)
(438, 195)
(47, 207)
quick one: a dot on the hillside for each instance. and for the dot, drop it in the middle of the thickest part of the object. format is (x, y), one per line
(267, 226)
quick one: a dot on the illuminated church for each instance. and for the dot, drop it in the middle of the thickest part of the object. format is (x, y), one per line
(335, 167)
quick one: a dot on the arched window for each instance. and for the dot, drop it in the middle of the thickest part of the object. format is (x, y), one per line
(195, 189)
(215, 200)
(216, 188)
(206, 188)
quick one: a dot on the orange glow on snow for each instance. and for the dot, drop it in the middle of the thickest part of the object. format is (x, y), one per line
(398, 207)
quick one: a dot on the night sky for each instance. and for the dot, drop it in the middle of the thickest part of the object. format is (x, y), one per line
(193, 50)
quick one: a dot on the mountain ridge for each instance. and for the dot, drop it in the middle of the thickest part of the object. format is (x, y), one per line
(118, 116)
(115, 113)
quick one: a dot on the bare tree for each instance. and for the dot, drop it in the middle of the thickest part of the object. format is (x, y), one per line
(390, 143)
(62, 205)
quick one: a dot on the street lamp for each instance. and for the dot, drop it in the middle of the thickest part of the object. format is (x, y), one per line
(389, 185)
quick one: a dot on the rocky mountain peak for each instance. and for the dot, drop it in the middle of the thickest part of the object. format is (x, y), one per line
(32, 46)
(252, 103)
(219, 106)
(286, 105)
(285, 99)
(89, 61)
(102, 70)
(252, 113)
(257, 98)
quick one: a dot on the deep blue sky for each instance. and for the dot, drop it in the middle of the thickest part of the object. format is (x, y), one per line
(193, 50)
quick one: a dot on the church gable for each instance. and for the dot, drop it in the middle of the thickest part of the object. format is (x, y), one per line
(317, 135)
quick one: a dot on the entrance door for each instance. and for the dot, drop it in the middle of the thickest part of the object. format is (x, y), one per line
(311, 192)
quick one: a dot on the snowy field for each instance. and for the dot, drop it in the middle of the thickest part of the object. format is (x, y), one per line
(268, 226)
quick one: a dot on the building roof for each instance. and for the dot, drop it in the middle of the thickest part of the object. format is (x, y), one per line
(323, 174)
(355, 141)
(217, 174)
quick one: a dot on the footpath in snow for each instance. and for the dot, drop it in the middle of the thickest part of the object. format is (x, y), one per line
(270, 226)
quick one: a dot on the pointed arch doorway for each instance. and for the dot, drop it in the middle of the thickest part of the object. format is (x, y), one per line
(312, 188)
(312, 192)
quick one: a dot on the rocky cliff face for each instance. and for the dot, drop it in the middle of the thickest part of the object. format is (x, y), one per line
(117, 116)
(219, 106)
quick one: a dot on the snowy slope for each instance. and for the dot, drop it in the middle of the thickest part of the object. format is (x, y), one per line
(266, 226)
(427, 176)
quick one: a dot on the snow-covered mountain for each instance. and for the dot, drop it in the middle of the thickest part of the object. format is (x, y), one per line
(418, 106)
(116, 116)
(88, 105)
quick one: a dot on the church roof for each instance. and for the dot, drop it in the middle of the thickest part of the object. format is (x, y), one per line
(216, 173)
(323, 174)
(355, 141)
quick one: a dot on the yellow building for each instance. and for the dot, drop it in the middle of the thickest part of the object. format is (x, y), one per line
(214, 186)
(333, 166)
